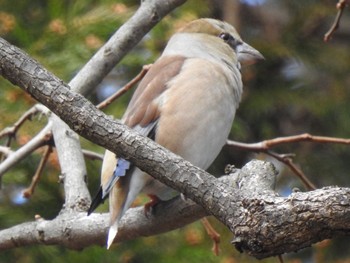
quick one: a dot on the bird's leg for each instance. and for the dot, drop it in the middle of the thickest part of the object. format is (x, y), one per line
(148, 206)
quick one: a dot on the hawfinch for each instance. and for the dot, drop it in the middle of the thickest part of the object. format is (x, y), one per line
(186, 103)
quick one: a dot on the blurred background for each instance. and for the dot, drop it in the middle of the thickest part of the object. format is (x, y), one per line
(302, 86)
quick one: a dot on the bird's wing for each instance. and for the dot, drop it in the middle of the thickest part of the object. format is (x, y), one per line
(143, 108)
(141, 115)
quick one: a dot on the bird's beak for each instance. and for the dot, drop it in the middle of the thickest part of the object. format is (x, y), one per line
(248, 55)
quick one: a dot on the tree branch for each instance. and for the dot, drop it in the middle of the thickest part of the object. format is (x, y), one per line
(266, 145)
(72, 164)
(28, 192)
(15, 157)
(128, 35)
(28, 115)
(340, 6)
(124, 89)
(67, 143)
(262, 222)
(77, 230)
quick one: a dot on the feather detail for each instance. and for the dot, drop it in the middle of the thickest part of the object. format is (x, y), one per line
(120, 170)
(96, 201)
(112, 233)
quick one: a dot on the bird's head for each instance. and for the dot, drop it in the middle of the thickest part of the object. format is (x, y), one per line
(222, 35)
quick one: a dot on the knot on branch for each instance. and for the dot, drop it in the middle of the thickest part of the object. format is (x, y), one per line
(266, 224)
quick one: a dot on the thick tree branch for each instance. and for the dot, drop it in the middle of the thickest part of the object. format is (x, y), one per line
(77, 230)
(72, 164)
(261, 221)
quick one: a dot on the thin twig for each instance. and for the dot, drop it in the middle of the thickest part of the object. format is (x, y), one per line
(288, 161)
(213, 234)
(340, 6)
(11, 131)
(266, 145)
(124, 89)
(28, 192)
(41, 139)
(92, 155)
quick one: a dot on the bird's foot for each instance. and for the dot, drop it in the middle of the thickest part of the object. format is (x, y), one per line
(149, 205)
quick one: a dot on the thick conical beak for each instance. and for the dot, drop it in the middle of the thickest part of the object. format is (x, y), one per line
(248, 55)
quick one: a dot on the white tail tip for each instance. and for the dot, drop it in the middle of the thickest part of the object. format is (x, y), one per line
(113, 230)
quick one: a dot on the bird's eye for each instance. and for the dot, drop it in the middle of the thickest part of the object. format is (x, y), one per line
(225, 36)
(230, 40)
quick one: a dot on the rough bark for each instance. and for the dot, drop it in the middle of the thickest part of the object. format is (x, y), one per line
(76, 230)
(263, 223)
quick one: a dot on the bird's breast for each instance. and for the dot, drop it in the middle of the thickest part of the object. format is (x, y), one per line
(197, 111)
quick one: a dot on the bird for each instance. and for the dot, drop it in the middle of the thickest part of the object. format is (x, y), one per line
(187, 103)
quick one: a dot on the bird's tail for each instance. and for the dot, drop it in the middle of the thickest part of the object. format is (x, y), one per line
(113, 231)
(121, 198)
(98, 199)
